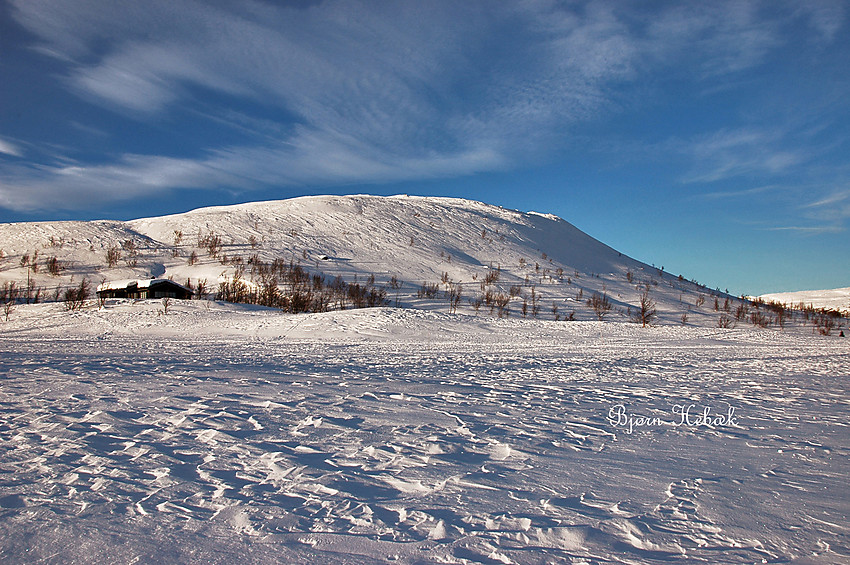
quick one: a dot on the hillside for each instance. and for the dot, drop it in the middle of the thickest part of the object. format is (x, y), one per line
(545, 265)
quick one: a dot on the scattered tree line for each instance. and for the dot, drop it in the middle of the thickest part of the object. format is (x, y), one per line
(288, 286)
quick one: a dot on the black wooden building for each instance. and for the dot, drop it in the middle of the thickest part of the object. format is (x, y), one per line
(151, 288)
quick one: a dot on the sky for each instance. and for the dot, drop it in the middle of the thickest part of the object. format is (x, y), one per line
(710, 138)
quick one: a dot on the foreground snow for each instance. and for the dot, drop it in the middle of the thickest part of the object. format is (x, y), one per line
(222, 433)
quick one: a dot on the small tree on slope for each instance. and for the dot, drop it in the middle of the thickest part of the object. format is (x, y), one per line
(646, 313)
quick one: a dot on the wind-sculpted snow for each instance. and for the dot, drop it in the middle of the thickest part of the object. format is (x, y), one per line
(404, 436)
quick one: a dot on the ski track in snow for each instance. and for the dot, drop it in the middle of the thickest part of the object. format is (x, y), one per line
(446, 443)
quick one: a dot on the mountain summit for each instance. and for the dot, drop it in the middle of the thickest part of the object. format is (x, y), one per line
(543, 265)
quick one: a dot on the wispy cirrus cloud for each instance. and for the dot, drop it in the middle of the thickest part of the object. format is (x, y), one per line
(809, 230)
(833, 208)
(311, 158)
(373, 92)
(826, 214)
(720, 38)
(739, 152)
(400, 93)
(9, 148)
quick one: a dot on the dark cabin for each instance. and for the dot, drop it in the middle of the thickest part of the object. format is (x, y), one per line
(141, 289)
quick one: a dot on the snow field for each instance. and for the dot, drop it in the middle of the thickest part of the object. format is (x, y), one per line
(220, 433)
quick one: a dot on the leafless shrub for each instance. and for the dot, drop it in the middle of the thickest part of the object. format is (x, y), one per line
(501, 302)
(455, 292)
(33, 292)
(515, 290)
(9, 292)
(53, 266)
(535, 302)
(757, 318)
(132, 251)
(75, 297)
(366, 296)
(235, 290)
(201, 289)
(825, 323)
(782, 318)
(600, 305)
(211, 242)
(428, 290)
(725, 322)
(113, 255)
(490, 299)
(646, 312)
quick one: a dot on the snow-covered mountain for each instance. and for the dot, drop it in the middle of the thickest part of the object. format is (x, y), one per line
(831, 299)
(538, 259)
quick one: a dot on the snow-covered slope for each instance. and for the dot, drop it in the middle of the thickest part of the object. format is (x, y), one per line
(414, 239)
(832, 299)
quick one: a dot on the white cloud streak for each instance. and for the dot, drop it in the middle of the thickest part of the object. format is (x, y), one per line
(378, 92)
(741, 152)
(833, 209)
(9, 148)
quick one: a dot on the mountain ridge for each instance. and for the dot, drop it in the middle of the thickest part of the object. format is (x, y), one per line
(829, 299)
(547, 264)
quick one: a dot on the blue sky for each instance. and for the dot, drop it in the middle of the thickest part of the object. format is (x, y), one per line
(711, 138)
